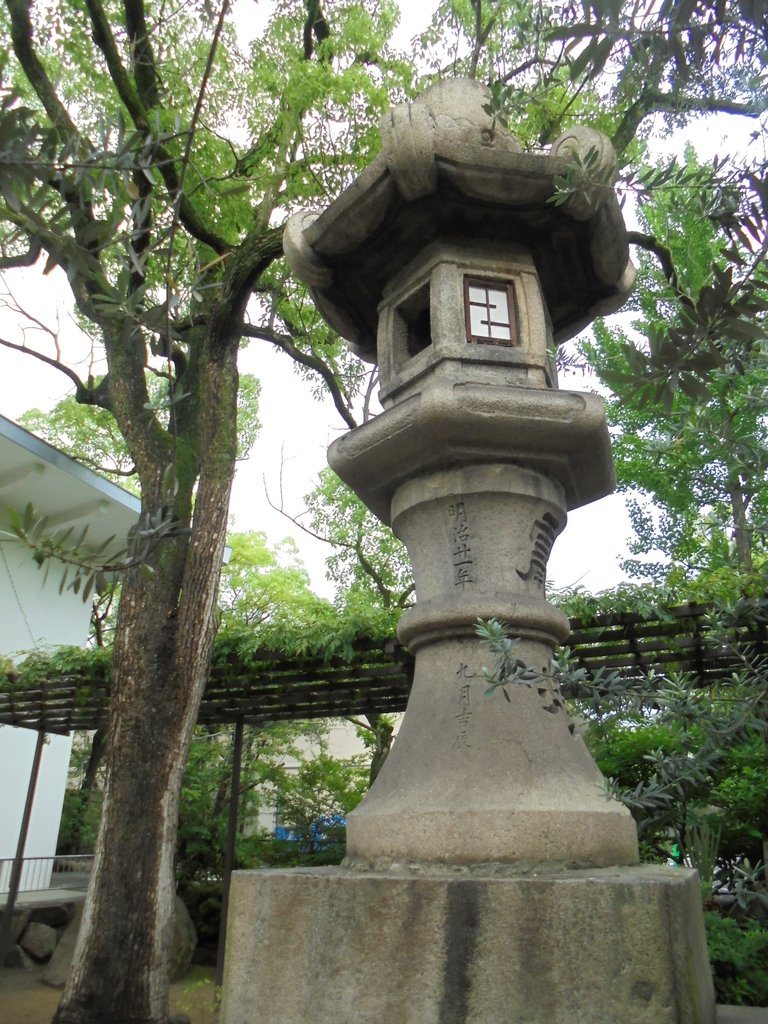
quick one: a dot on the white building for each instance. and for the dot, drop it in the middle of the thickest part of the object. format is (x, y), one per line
(35, 616)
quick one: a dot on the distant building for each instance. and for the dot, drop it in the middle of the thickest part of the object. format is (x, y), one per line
(36, 616)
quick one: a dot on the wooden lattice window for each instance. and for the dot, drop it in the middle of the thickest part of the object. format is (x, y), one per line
(490, 312)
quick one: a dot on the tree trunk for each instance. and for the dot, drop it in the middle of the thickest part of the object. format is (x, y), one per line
(742, 532)
(160, 666)
(98, 746)
(382, 731)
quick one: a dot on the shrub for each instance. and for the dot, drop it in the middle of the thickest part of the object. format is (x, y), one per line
(738, 953)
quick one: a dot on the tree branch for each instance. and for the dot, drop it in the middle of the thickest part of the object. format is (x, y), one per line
(114, 471)
(370, 570)
(358, 723)
(316, 25)
(373, 380)
(243, 268)
(308, 359)
(81, 388)
(21, 37)
(188, 214)
(478, 9)
(144, 69)
(60, 252)
(293, 519)
(481, 35)
(660, 251)
(178, 197)
(652, 101)
(77, 203)
(103, 38)
(525, 66)
(27, 259)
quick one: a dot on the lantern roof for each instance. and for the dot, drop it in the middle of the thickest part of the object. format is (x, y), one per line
(446, 171)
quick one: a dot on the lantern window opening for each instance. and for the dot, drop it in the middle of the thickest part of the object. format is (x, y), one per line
(413, 320)
(490, 312)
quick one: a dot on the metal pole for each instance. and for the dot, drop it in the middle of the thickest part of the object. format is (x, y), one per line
(13, 891)
(229, 852)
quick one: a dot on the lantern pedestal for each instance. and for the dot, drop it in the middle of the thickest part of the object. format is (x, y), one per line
(329, 946)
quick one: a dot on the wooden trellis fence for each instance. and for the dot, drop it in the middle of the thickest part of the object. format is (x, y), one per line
(376, 677)
(688, 638)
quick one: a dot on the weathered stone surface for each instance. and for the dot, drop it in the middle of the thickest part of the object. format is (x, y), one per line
(19, 922)
(562, 434)
(615, 946)
(58, 966)
(445, 169)
(447, 262)
(423, 330)
(476, 778)
(184, 941)
(16, 957)
(39, 940)
(56, 916)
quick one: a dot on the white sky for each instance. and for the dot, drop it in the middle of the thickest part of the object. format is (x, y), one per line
(297, 429)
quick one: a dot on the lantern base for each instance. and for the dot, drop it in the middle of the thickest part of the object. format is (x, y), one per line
(331, 946)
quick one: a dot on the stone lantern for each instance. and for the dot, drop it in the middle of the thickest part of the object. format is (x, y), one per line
(487, 855)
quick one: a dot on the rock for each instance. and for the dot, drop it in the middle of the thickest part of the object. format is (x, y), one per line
(56, 916)
(19, 922)
(16, 957)
(184, 941)
(179, 1018)
(39, 940)
(58, 966)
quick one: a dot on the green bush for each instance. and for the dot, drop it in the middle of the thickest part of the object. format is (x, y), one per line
(283, 853)
(203, 901)
(738, 953)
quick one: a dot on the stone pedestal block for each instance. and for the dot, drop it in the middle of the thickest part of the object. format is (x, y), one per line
(333, 946)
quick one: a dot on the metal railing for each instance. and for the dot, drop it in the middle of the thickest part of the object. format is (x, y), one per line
(39, 873)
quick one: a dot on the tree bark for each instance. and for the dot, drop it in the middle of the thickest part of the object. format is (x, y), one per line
(161, 660)
(98, 746)
(742, 532)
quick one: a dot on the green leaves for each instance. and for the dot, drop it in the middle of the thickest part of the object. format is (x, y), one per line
(583, 176)
(82, 568)
(592, 58)
(367, 561)
(507, 669)
(499, 104)
(87, 567)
